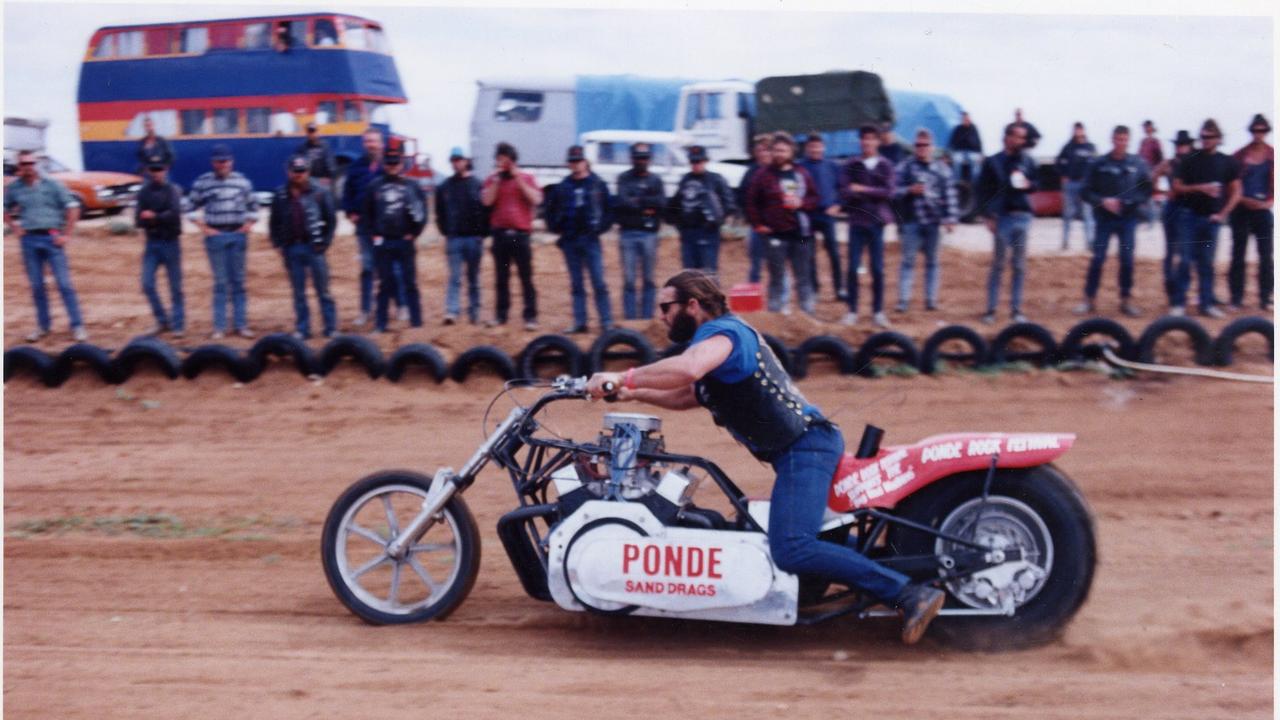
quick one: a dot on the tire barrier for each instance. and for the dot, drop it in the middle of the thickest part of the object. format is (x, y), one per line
(1046, 355)
(828, 346)
(147, 350)
(932, 352)
(285, 345)
(641, 353)
(1074, 348)
(547, 349)
(82, 354)
(417, 354)
(228, 358)
(26, 359)
(354, 347)
(780, 349)
(1162, 326)
(498, 361)
(1224, 346)
(887, 344)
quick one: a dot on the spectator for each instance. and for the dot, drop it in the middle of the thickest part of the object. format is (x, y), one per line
(1003, 200)
(580, 208)
(1150, 150)
(45, 212)
(928, 195)
(360, 174)
(512, 197)
(1073, 164)
(868, 191)
(760, 158)
(1253, 215)
(316, 151)
(965, 146)
(230, 210)
(1118, 184)
(826, 179)
(158, 211)
(640, 202)
(302, 224)
(698, 208)
(464, 221)
(779, 201)
(890, 149)
(1209, 183)
(1033, 135)
(152, 144)
(1171, 214)
(397, 211)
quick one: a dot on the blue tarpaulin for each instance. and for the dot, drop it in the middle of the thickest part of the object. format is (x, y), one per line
(912, 110)
(627, 102)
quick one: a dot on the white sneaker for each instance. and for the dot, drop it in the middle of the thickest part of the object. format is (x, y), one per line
(849, 319)
(361, 320)
(1177, 311)
(403, 314)
(35, 335)
(881, 319)
(217, 335)
(79, 334)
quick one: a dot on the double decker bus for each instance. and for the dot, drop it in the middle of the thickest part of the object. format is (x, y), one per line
(251, 83)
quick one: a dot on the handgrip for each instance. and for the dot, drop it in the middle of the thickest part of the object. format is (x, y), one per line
(610, 391)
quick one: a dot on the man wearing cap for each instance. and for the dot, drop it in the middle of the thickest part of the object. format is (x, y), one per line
(316, 151)
(396, 209)
(464, 221)
(1171, 214)
(230, 211)
(302, 224)
(779, 201)
(580, 208)
(1117, 184)
(698, 208)
(152, 144)
(1073, 162)
(640, 200)
(45, 212)
(1253, 215)
(159, 213)
(1209, 183)
(512, 197)
(927, 196)
(826, 180)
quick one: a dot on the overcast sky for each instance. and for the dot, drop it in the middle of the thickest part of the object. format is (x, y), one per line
(1102, 70)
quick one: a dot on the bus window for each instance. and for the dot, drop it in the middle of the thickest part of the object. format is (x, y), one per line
(257, 121)
(193, 122)
(224, 37)
(351, 111)
(165, 122)
(518, 107)
(106, 46)
(378, 40)
(257, 36)
(353, 35)
(121, 45)
(283, 123)
(159, 41)
(326, 34)
(326, 112)
(226, 121)
(194, 40)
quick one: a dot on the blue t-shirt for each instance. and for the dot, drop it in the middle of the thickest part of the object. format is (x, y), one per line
(741, 362)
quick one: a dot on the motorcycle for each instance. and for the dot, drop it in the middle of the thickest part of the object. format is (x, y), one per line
(611, 527)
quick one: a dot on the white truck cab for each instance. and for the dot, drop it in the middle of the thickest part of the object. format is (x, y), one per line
(717, 115)
(609, 152)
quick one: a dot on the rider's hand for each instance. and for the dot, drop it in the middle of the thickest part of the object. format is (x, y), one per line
(595, 385)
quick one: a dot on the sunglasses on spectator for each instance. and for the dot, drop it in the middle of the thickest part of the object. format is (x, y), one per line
(156, 168)
(924, 144)
(26, 163)
(1210, 137)
(662, 307)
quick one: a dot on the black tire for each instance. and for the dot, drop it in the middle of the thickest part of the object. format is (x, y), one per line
(999, 351)
(25, 358)
(149, 350)
(641, 352)
(228, 358)
(356, 347)
(547, 349)
(284, 345)
(1074, 348)
(672, 350)
(83, 354)
(1199, 337)
(828, 346)
(499, 361)
(931, 353)
(456, 516)
(781, 351)
(1224, 345)
(417, 354)
(1065, 514)
(887, 344)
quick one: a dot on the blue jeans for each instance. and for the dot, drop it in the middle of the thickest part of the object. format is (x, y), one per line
(584, 253)
(872, 238)
(639, 255)
(298, 260)
(1124, 229)
(967, 163)
(38, 249)
(226, 257)
(1171, 218)
(919, 238)
(700, 249)
(169, 254)
(397, 274)
(369, 272)
(825, 225)
(796, 507)
(755, 250)
(1074, 207)
(1011, 238)
(798, 252)
(1198, 238)
(463, 250)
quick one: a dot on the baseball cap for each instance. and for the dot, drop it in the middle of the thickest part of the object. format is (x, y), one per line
(155, 161)
(221, 151)
(457, 154)
(297, 163)
(697, 153)
(641, 151)
(311, 127)
(575, 154)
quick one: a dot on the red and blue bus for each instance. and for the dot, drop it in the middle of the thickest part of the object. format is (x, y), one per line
(252, 83)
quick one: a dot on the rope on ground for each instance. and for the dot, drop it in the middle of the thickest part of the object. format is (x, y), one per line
(1111, 357)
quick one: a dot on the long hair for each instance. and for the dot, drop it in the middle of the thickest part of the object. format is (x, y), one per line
(701, 287)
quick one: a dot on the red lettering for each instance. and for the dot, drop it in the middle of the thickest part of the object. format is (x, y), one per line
(630, 553)
(652, 559)
(695, 561)
(674, 560)
(713, 563)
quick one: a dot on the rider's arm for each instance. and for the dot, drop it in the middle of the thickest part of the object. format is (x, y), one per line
(674, 373)
(681, 398)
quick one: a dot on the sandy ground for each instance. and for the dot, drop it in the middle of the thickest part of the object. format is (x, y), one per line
(161, 550)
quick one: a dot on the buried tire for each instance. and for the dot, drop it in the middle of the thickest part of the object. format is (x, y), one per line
(82, 354)
(1002, 352)
(417, 354)
(932, 351)
(482, 355)
(360, 349)
(150, 350)
(601, 352)
(828, 346)
(1194, 331)
(1224, 346)
(228, 358)
(284, 345)
(25, 358)
(1074, 348)
(548, 349)
(887, 344)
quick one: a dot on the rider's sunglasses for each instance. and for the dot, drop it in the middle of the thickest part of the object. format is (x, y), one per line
(662, 307)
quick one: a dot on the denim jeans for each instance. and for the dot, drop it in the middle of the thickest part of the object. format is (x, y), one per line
(872, 238)
(1124, 229)
(512, 246)
(369, 273)
(919, 238)
(755, 252)
(1199, 240)
(584, 253)
(798, 252)
(38, 249)
(299, 259)
(463, 250)
(226, 258)
(967, 163)
(397, 270)
(796, 508)
(1074, 207)
(1171, 218)
(1260, 224)
(169, 254)
(639, 255)
(825, 225)
(1010, 239)
(700, 249)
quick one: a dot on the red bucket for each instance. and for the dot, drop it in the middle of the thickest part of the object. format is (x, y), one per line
(746, 297)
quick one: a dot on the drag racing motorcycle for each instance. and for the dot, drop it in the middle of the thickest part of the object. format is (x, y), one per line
(610, 526)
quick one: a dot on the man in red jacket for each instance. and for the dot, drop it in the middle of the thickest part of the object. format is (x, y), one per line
(777, 203)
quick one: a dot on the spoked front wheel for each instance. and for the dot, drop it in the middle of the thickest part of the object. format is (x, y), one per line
(427, 581)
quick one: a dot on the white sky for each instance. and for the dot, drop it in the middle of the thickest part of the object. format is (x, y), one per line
(1102, 70)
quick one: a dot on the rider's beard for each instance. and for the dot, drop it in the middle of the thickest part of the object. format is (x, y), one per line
(682, 327)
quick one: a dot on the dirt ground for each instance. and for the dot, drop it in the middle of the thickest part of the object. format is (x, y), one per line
(161, 549)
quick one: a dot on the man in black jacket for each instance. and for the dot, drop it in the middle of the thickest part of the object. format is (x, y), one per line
(965, 147)
(580, 208)
(641, 198)
(302, 224)
(397, 212)
(159, 213)
(464, 222)
(153, 145)
(316, 151)
(1002, 197)
(698, 208)
(1117, 184)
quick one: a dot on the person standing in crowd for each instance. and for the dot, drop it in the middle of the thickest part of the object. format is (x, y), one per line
(397, 211)
(779, 201)
(579, 209)
(1253, 215)
(698, 208)
(760, 158)
(158, 211)
(1171, 213)
(640, 202)
(152, 144)
(1073, 163)
(302, 222)
(1003, 200)
(890, 149)
(464, 221)
(512, 197)
(45, 212)
(230, 210)
(1151, 153)
(360, 174)
(868, 192)
(1033, 135)
(826, 178)
(1209, 183)
(965, 146)
(316, 151)
(928, 201)
(1117, 184)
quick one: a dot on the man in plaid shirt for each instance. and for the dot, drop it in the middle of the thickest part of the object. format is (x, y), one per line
(926, 194)
(230, 210)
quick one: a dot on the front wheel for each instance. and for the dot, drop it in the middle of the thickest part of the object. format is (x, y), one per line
(428, 582)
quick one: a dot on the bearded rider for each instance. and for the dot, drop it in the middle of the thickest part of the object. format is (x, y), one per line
(730, 370)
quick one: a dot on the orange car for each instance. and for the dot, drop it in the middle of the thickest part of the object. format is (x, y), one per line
(98, 192)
